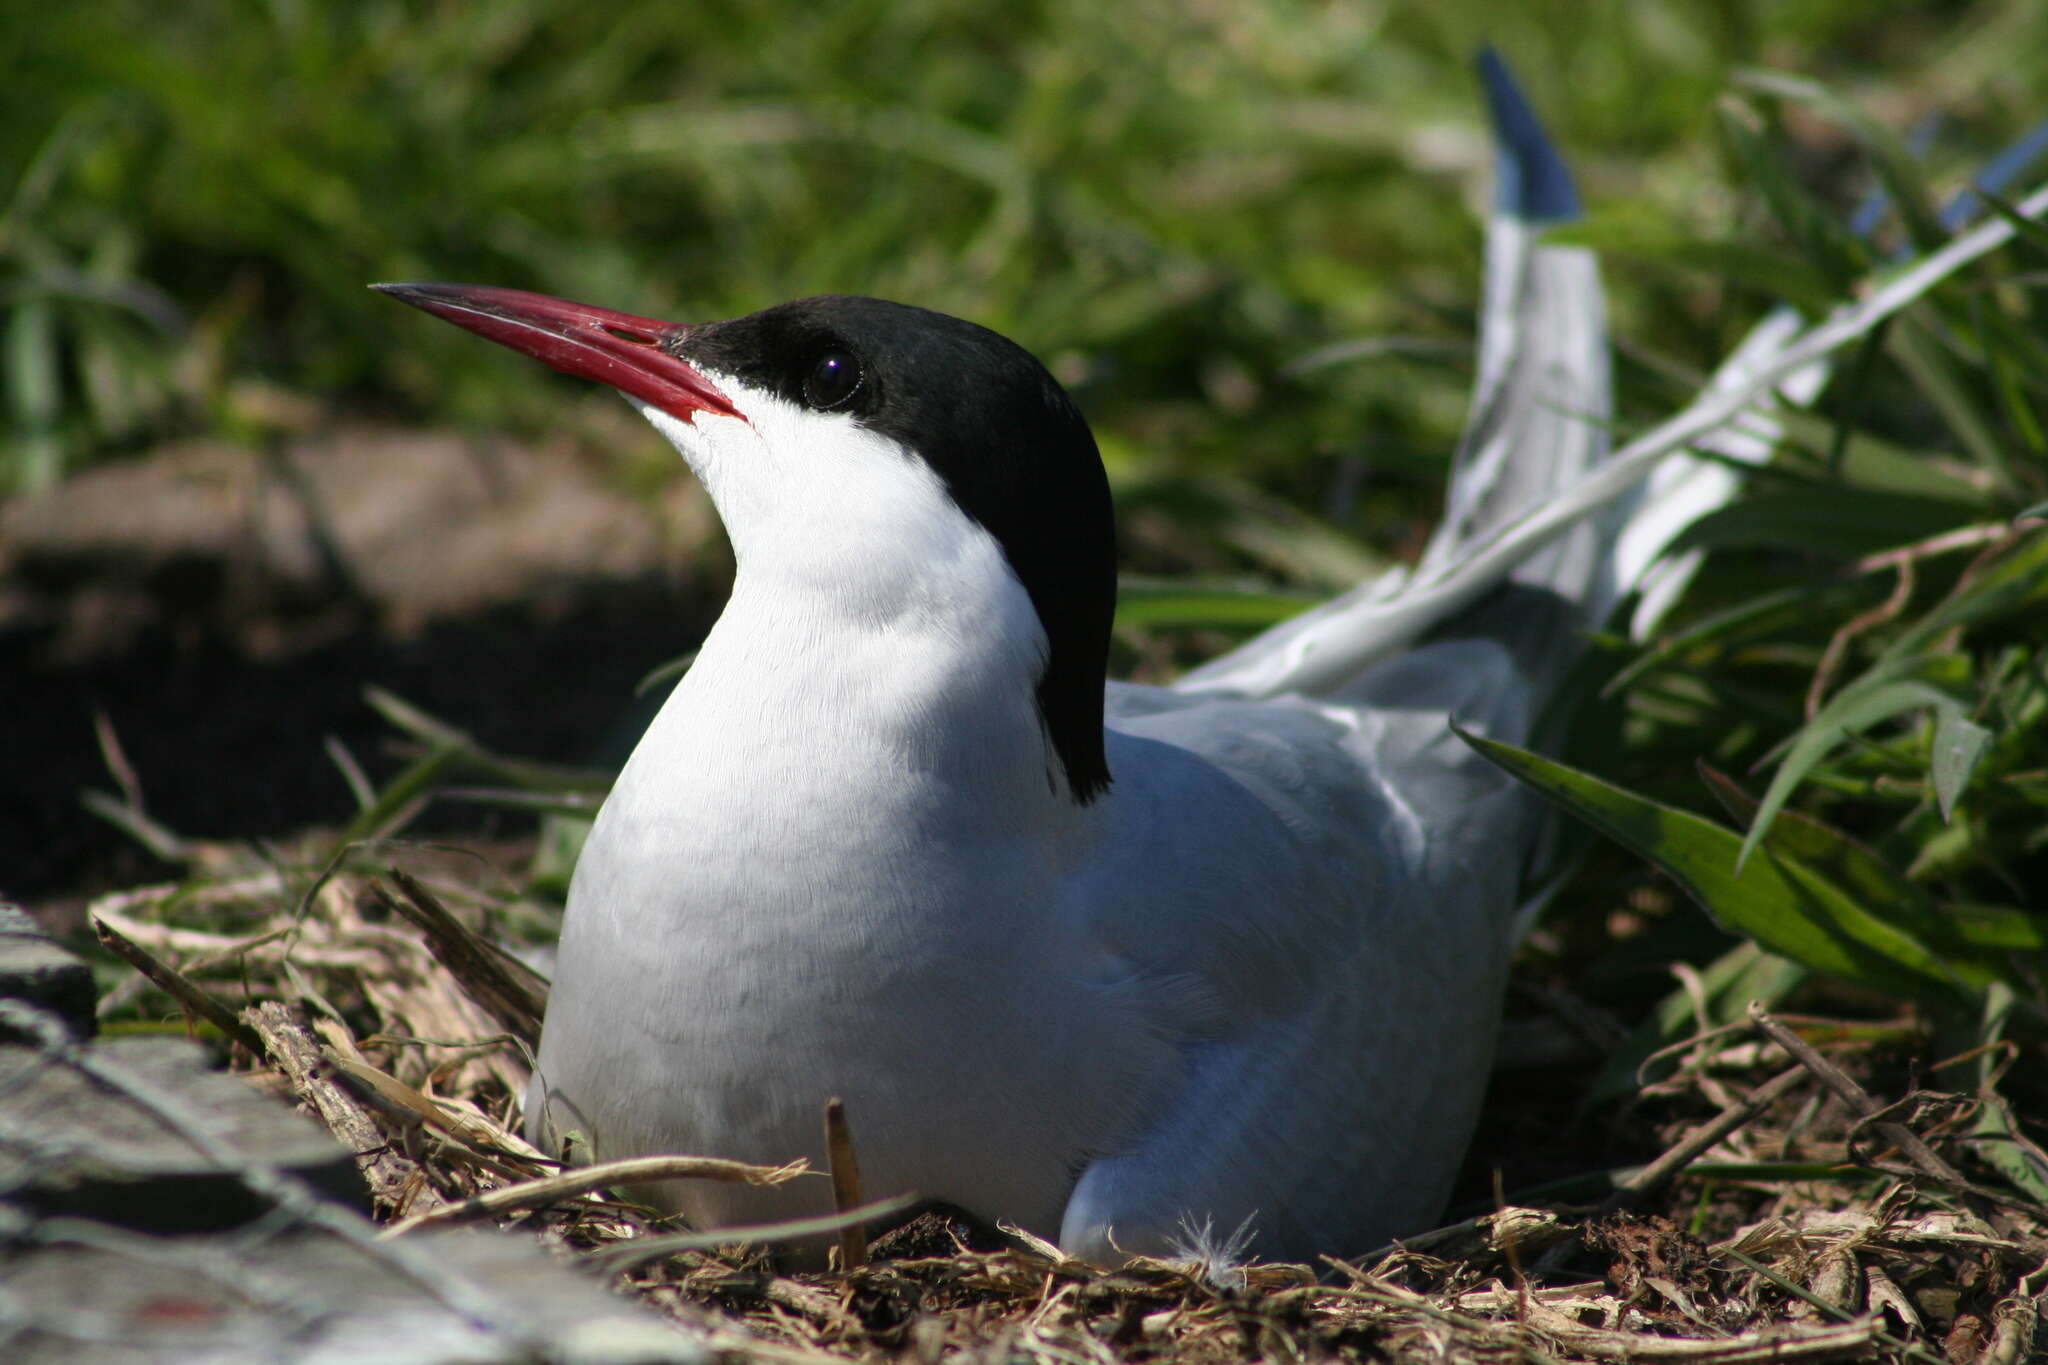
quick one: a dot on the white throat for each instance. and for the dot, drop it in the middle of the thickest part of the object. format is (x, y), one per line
(876, 642)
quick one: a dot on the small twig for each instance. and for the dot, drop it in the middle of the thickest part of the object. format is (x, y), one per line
(643, 1249)
(1667, 1167)
(553, 1189)
(1364, 1285)
(411, 1108)
(394, 1178)
(2019, 1203)
(1838, 643)
(516, 1002)
(194, 997)
(1859, 1101)
(853, 1238)
(1646, 1180)
(116, 759)
(453, 1044)
(1967, 538)
(1693, 1042)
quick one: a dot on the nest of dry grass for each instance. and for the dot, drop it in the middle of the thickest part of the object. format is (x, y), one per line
(1806, 1205)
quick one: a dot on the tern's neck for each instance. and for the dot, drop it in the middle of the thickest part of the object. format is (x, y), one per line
(923, 691)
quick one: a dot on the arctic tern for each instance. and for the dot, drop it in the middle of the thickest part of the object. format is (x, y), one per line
(1110, 962)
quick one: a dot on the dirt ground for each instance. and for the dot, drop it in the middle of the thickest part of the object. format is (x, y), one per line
(221, 610)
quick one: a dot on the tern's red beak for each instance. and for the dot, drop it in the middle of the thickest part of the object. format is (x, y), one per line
(629, 353)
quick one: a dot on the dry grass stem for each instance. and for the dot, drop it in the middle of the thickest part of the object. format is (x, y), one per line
(1834, 1078)
(1701, 1140)
(553, 1189)
(515, 997)
(853, 1238)
(1837, 651)
(193, 997)
(395, 1180)
(755, 1234)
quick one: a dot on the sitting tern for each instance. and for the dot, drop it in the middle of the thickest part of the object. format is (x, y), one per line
(1109, 962)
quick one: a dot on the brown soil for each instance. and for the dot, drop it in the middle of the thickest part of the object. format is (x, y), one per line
(223, 609)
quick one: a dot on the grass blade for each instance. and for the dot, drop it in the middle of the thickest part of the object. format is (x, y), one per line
(1182, 604)
(1870, 700)
(1773, 898)
(1958, 744)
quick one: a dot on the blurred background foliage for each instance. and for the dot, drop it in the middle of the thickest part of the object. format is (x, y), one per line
(1247, 236)
(1174, 202)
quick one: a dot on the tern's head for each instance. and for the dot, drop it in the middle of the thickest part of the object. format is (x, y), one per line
(843, 440)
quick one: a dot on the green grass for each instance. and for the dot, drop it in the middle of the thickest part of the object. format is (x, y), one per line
(1173, 203)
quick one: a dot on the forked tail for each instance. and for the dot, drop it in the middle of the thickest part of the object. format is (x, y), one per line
(1541, 410)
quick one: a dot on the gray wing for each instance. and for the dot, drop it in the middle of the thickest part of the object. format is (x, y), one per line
(1332, 977)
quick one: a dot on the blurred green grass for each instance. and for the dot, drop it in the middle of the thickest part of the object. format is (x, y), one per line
(1172, 202)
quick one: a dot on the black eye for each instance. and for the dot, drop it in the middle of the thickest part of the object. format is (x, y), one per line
(833, 378)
